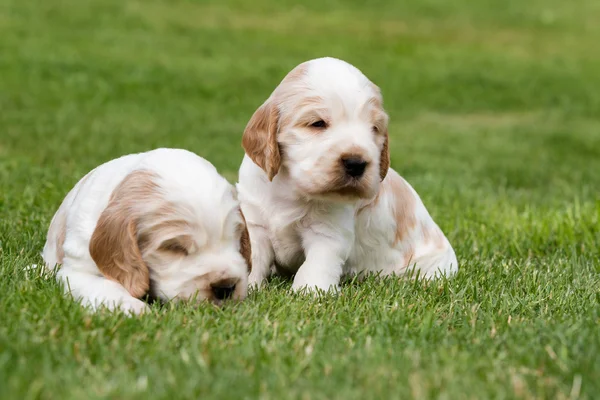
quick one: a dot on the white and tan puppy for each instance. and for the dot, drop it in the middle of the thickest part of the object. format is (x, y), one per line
(162, 223)
(316, 189)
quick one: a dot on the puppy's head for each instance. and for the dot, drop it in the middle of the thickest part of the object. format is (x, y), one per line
(323, 128)
(158, 237)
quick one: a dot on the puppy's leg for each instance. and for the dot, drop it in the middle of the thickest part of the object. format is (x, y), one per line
(327, 244)
(262, 255)
(96, 291)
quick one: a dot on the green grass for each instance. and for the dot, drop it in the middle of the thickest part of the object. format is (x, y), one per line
(495, 120)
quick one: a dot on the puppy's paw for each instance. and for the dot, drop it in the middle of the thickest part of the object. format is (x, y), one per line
(255, 281)
(314, 289)
(132, 306)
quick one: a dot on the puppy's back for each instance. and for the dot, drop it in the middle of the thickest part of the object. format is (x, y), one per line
(81, 208)
(101, 180)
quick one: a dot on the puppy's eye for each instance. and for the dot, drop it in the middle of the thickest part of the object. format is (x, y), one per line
(173, 246)
(375, 129)
(320, 124)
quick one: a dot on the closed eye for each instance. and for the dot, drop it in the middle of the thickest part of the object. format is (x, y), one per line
(320, 124)
(174, 246)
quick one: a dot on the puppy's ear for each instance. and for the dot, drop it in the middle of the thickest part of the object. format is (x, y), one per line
(384, 159)
(245, 248)
(260, 138)
(114, 243)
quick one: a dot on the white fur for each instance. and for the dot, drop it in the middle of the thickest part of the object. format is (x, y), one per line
(199, 194)
(295, 224)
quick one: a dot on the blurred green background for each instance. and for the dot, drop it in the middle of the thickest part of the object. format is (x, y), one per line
(495, 120)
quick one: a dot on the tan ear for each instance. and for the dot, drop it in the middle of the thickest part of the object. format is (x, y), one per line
(384, 159)
(260, 138)
(245, 248)
(114, 243)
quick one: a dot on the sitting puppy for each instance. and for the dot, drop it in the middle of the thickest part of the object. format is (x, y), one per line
(316, 189)
(162, 223)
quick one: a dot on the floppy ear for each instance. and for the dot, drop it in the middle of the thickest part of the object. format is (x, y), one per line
(384, 159)
(260, 138)
(114, 244)
(245, 248)
(115, 251)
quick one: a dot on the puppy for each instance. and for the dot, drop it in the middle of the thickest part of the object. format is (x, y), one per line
(316, 189)
(162, 223)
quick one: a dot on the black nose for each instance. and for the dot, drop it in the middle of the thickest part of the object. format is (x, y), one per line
(223, 290)
(354, 166)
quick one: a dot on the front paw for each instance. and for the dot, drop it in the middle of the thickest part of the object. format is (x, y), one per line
(255, 280)
(305, 287)
(132, 306)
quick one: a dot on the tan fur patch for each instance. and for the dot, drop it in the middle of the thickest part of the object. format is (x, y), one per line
(180, 245)
(440, 240)
(245, 248)
(296, 74)
(114, 243)
(170, 228)
(434, 235)
(379, 114)
(260, 138)
(404, 206)
(409, 258)
(312, 102)
(260, 135)
(384, 158)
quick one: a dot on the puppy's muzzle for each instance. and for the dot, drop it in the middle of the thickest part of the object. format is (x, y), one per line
(224, 289)
(354, 166)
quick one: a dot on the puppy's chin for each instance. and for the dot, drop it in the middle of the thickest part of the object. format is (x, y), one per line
(345, 189)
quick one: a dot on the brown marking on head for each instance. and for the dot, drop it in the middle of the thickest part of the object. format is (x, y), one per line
(260, 135)
(297, 73)
(245, 248)
(160, 224)
(114, 244)
(306, 120)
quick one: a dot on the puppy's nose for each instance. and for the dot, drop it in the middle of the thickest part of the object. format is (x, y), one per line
(224, 289)
(354, 166)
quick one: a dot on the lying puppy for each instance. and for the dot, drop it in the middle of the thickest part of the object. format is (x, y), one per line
(316, 189)
(162, 223)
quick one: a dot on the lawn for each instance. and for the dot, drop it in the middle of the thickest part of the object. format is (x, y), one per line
(495, 120)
